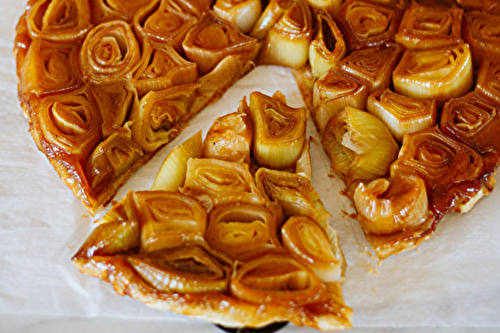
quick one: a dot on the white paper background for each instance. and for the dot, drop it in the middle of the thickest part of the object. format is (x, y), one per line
(451, 281)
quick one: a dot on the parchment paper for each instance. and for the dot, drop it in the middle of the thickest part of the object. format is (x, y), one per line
(452, 280)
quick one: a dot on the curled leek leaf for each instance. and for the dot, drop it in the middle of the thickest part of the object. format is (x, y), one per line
(242, 13)
(328, 47)
(154, 122)
(332, 93)
(245, 231)
(441, 73)
(213, 39)
(481, 33)
(172, 172)
(308, 243)
(186, 269)
(402, 114)
(287, 43)
(108, 10)
(388, 207)
(488, 81)
(230, 137)
(425, 27)
(294, 193)
(167, 219)
(271, 15)
(359, 145)
(328, 6)
(276, 279)
(279, 130)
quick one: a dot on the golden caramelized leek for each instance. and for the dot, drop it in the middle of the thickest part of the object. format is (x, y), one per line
(69, 123)
(287, 43)
(216, 182)
(426, 27)
(359, 145)
(50, 68)
(402, 114)
(308, 243)
(332, 93)
(271, 15)
(276, 279)
(443, 163)
(186, 269)
(368, 24)
(488, 80)
(59, 20)
(161, 68)
(193, 7)
(111, 159)
(110, 52)
(243, 13)
(386, 207)
(439, 73)
(116, 101)
(279, 130)
(213, 39)
(328, 47)
(167, 219)
(475, 122)
(154, 122)
(108, 10)
(487, 6)
(114, 234)
(294, 193)
(245, 231)
(481, 31)
(163, 22)
(230, 137)
(372, 66)
(172, 172)
(328, 6)
(401, 4)
(304, 164)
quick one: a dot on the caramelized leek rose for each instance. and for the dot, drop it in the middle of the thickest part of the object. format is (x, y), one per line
(440, 73)
(50, 68)
(164, 22)
(167, 219)
(474, 121)
(487, 6)
(271, 15)
(443, 163)
(488, 81)
(481, 32)
(279, 130)
(213, 39)
(426, 27)
(372, 66)
(230, 137)
(193, 7)
(172, 172)
(309, 244)
(367, 24)
(245, 231)
(154, 122)
(59, 20)
(386, 207)
(332, 93)
(69, 123)
(287, 43)
(110, 52)
(294, 193)
(359, 145)
(185, 269)
(402, 114)
(330, 7)
(276, 279)
(161, 68)
(111, 159)
(243, 13)
(328, 47)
